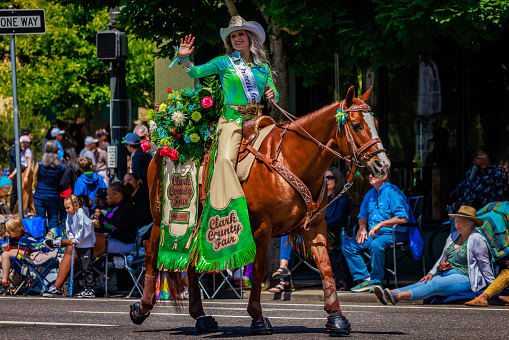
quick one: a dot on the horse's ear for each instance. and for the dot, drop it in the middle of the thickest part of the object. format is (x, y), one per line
(349, 96)
(366, 95)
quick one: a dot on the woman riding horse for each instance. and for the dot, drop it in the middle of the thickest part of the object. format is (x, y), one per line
(245, 75)
(284, 192)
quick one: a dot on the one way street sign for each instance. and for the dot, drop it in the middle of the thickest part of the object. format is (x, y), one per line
(22, 21)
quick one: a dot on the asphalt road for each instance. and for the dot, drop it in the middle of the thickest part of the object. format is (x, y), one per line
(40, 318)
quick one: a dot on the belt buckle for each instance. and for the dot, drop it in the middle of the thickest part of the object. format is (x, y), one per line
(251, 109)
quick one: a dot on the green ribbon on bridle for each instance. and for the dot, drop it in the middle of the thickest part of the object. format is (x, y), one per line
(341, 118)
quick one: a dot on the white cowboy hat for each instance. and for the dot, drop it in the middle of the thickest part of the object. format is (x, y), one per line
(237, 23)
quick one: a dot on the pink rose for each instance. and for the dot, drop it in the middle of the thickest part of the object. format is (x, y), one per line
(166, 151)
(145, 146)
(169, 90)
(174, 154)
(207, 102)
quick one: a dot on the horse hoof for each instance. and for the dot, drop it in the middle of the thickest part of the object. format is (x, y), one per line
(337, 324)
(206, 324)
(137, 317)
(261, 326)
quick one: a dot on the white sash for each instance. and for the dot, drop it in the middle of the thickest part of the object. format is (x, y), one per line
(247, 80)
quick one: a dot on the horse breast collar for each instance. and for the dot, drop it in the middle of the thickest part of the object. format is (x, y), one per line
(294, 181)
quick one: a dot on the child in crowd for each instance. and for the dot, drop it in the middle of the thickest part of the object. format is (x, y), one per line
(86, 204)
(15, 231)
(89, 182)
(81, 235)
(101, 203)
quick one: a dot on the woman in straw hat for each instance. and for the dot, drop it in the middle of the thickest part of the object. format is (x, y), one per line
(463, 267)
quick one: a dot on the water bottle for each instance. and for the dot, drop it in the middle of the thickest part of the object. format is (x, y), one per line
(342, 236)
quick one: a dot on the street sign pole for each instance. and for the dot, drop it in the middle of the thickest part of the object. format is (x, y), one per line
(16, 126)
(12, 22)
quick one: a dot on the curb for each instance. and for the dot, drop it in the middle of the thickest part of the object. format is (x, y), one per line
(305, 295)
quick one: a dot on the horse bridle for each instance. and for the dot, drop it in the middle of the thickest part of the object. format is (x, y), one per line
(357, 153)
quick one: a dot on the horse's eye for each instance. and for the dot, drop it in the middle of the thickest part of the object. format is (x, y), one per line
(356, 127)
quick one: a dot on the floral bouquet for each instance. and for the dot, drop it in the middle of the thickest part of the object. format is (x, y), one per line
(182, 126)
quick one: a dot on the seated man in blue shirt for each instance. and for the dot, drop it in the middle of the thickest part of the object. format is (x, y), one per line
(383, 207)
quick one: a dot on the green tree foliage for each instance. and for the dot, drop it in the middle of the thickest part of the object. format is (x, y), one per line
(363, 32)
(59, 71)
(380, 32)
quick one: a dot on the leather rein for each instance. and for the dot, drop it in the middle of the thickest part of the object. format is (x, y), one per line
(357, 155)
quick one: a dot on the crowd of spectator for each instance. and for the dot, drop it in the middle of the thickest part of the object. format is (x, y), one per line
(70, 187)
(85, 210)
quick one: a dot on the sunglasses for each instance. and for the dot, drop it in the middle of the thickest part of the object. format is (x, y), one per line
(330, 178)
(477, 157)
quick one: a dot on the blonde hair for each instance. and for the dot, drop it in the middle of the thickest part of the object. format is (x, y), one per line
(14, 224)
(85, 164)
(75, 200)
(256, 48)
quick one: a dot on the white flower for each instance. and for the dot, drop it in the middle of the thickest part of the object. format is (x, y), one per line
(153, 127)
(179, 118)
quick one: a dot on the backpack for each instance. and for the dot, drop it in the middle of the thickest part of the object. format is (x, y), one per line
(494, 229)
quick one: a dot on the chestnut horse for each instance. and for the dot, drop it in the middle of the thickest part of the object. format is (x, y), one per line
(276, 208)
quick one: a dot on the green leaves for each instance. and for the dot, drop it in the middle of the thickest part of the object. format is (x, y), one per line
(59, 70)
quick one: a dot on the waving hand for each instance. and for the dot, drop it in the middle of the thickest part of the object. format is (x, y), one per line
(186, 46)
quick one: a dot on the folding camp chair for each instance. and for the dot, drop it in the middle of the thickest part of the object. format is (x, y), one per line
(133, 262)
(416, 205)
(211, 292)
(34, 274)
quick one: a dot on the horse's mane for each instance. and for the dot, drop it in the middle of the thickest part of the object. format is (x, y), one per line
(310, 116)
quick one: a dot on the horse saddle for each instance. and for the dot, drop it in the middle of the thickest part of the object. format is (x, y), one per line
(250, 133)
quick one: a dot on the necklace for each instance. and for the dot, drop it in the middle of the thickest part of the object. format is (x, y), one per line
(249, 64)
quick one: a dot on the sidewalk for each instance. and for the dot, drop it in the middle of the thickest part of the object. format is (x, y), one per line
(309, 294)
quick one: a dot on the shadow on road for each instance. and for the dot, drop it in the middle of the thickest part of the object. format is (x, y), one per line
(238, 331)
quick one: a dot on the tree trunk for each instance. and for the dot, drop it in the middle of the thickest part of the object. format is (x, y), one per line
(232, 9)
(279, 67)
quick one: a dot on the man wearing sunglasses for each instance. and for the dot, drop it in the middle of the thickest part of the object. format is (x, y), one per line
(383, 207)
(142, 132)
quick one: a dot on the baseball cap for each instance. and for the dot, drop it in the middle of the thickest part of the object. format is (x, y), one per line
(89, 140)
(102, 192)
(24, 139)
(56, 131)
(131, 139)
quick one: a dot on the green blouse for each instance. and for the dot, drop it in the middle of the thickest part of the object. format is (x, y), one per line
(232, 87)
(458, 257)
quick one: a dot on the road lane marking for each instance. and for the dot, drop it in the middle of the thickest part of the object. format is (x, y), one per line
(38, 323)
(264, 309)
(214, 315)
